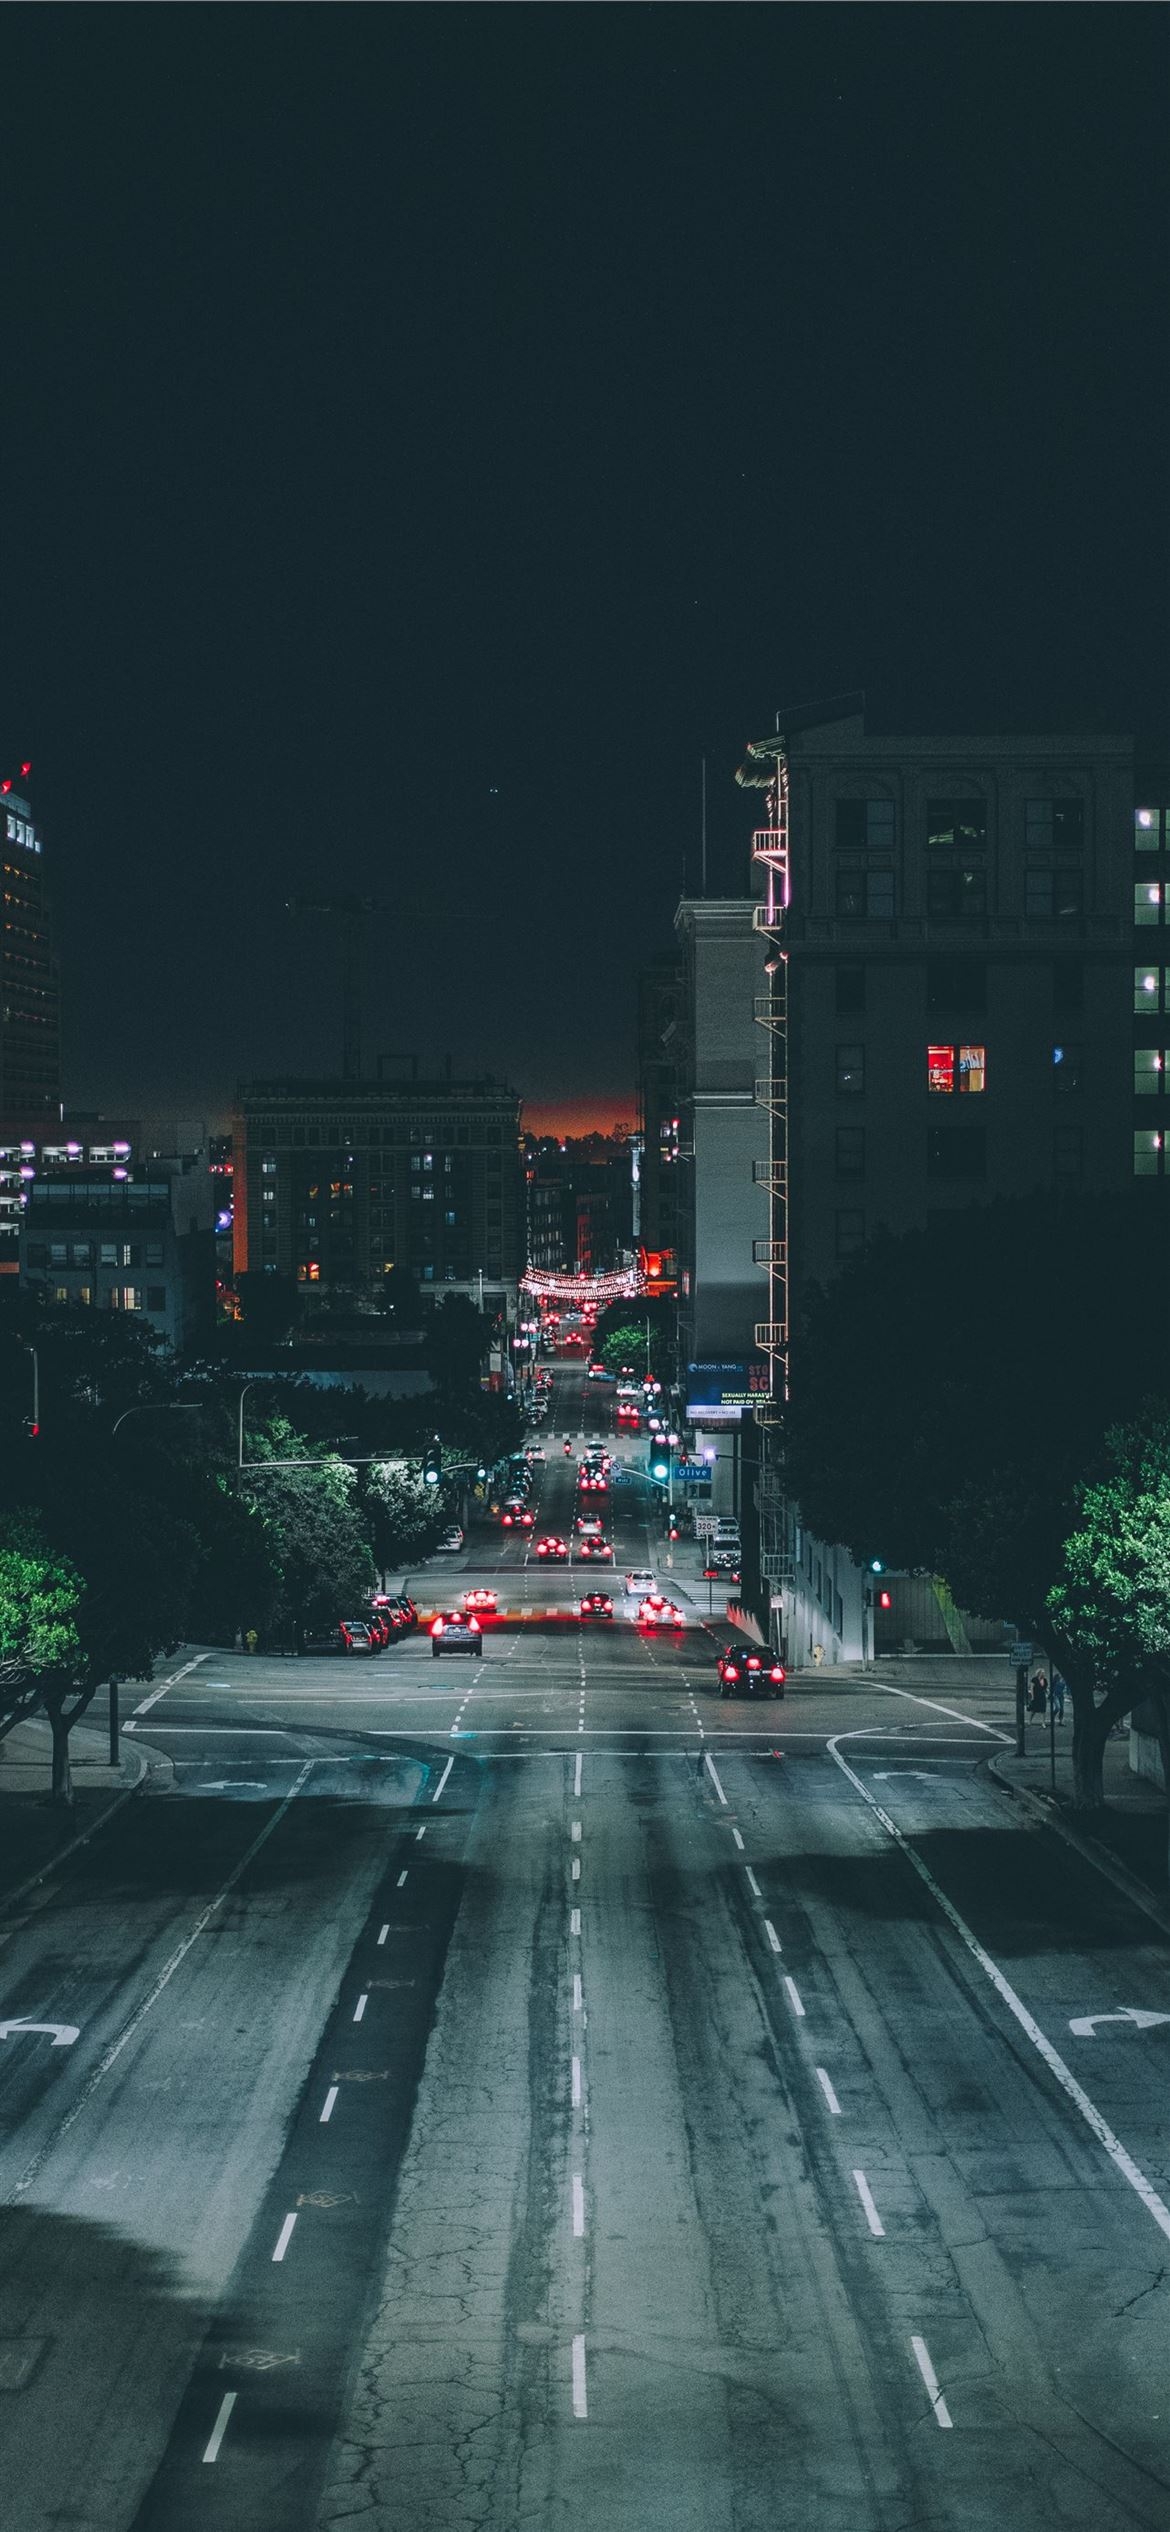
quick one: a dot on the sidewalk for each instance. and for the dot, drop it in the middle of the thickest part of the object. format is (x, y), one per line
(34, 1834)
(1128, 1841)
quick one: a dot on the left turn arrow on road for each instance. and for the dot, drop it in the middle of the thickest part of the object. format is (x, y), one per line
(63, 2034)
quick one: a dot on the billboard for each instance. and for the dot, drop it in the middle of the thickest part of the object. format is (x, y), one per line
(719, 1393)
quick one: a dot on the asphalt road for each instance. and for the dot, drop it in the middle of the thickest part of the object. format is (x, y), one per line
(533, 2092)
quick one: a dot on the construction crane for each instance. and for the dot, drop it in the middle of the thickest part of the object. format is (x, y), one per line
(351, 913)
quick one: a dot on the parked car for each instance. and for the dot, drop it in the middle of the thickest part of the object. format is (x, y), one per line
(383, 1626)
(596, 1604)
(743, 1672)
(655, 1610)
(456, 1631)
(356, 1636)
(400, 1608)
(450, 1542)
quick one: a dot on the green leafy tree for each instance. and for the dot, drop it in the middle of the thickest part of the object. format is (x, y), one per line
(314, 1530)
(1110, 1605)
(627, 1333)
(405, 1517)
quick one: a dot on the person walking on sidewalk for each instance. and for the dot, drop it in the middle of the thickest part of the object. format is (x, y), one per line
(1057, 1693)
(1038, 1693)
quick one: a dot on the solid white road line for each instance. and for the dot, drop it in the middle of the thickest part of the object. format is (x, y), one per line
(576, 2083)
(709, 1763)
(360, 2006)
(401, 1879)
(215, 2439)
(577, 1991)
(442, 1780)
(113, 2053)
(752, 1882)
(577, 1773)
(793, 1997)
(327, 2112)
(574, 1921)
(865, 2194)
(774, 1939)
(383, 1931)
(578, 2205)
(828, 2092)
(284, 2237)
(580, 2404)
(1118, 2156)
(971, 1720)
(738, 1839)
(930, 2378)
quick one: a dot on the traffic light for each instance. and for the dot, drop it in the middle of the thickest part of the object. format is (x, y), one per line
(660, 1466)
(885, 1599)
(433, 1463)
(32, 1428)
(876, 1565)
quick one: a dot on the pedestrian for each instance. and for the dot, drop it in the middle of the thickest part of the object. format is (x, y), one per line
(251, 1639)
(1057, 1693)
(1038, 1693)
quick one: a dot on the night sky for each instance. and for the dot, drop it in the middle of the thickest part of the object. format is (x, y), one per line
(428, 431)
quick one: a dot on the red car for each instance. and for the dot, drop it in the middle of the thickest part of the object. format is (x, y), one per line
(555, 1550)
(482, 1600)
(744, 1672)
(358, 1635)
(599, 1549)
(657, 1611)
(517, 1520)
(596, 1604)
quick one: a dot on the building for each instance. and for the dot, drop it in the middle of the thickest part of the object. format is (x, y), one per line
(345, 1185)
(656, 1229)
(580, 1202)
(30, 993)
(128, 1235)
(32, 1145)
(955, 931)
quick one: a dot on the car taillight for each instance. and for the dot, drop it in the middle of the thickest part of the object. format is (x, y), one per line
(437, 1628)
(731, 1674)
(473, 1624)
(777, 1673)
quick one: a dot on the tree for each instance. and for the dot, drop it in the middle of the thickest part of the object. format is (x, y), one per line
(1111, 1601)
(405, 1517)
(314, 1530)
(40, 1596)
(620, 1336)
(952, 1390)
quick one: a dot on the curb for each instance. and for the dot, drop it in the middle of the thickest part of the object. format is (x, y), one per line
(1050, 1816)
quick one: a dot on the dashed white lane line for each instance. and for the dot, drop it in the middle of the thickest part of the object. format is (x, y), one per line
(577, 1774)
(580, 2403)
(219, 2430)
(930, 2378)
(327, 2112)
(442, 1780)
(576, 1868)
(578, 2205)
(774, 1940)
(383, 1931)
(574, 1921)
(577, 1996)
(738, 1840)
(753, 1884)
(360, 2006)
(865, 2194)
(828, 2092)
(576, 2083)
(1075, 2092)
(284, 2237)
(401, 1879)
(793, 1996)
(576, 1831)
(712, 1772)
(422, 1832)
(161, 1690)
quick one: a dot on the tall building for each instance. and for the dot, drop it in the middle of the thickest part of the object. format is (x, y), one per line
(30, 993)
(132, 1236)
(342, 1185)
(658, 1047)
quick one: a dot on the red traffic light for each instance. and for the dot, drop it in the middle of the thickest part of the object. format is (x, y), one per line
(885, 1599)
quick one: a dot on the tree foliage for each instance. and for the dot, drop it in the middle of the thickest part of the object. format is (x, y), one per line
(314, 1530)
(405, 1516)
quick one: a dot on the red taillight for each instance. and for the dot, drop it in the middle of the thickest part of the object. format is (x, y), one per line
(473, 1624)
(437, 1628)
(777, 1672)
(731, 1674)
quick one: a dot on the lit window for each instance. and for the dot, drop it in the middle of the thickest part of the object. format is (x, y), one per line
(1148, 829)
(1147, 988)
(961, 1068)
(1149, 901)
(956, 822)
(1149, 1071)
(1149, 1153)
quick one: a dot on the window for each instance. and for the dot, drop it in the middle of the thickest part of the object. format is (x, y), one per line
(864, 893)
(1068, 1067)
(951, 1068)
(850, 1151)
(957, 822)
(1149, 1074)
(449, 1219)
(428, 1195)
(850, 1231)
(956, 1151)
(156, 1296)
(1054, 823)
(1149, 989)
(58, 1253)
(865, 825)
(1149, 1153)
(849, 989)
(1151, 830)
(268, 1165)
(108, 1254)
(38, 1254)
(952, 894)
(1068, 1158)
(1053, 895)
(154, 1253)
(956, 984)
(1149, 901)
(1068, 985)
(850, 1071)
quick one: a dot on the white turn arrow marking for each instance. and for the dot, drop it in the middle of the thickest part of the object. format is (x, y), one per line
(919, 1774)
(64, 2034)
(1085, 2029)
(224, 1784)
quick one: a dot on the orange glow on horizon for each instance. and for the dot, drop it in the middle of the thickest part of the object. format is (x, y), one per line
(577, 1116)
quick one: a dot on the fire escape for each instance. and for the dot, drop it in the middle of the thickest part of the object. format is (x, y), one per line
(771, 859)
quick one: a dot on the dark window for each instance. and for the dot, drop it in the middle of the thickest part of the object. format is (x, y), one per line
(851, 1151)
(865, 825)
(1068, 985)
(956, 1151)
(156, 1297)
(1068, 1067)
(850, 1071)
(865, 892)
(38, 1254)
(1067, 1151)
(952, 894)
(850, 1228)
(1059, 823)
(1054, 895)
(850, 989)
(959, 822)
(154, 1255)
(956, 984)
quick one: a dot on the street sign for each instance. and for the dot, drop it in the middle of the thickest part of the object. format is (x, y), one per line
(704, 1524)
(1086, 2027)
(1019, 1654)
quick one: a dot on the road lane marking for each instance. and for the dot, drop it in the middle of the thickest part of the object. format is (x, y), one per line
(442, 1780)
(577, 1991)
(752, 1882)
(577, 1773)
(383, 1932)
(828, 2092)
(578, 2205)
(971, 1720)
(930, 2378)
(327, 2112)
(138, 2017)
(774, 1940)
(219, 2430)
(580, 2404)
(421, 1832)
(576, 1831)
(360, 2006)
(575, 1921)
(738, 1839)
(1118, 2156)
(172, 1682)
(793, 1996)
(576, 1868)
(710, 1765)
(865, 2194)
(401, 1879)
(284, 2237)
(576, 2083)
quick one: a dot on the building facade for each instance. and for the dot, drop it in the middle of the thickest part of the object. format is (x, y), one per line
(660, 990)
(132, 1236)
(344, 1186)
(30, 992)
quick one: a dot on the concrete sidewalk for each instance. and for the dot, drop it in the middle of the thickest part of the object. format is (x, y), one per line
(36, 1834)
(1127, 1841)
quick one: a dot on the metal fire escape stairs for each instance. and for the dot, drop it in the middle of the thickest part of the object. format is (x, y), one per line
(770, 860)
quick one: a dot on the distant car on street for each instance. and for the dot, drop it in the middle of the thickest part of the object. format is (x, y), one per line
(555, 1550)
(639, 1582)
(358, 1637)
(456, 1631)
(596, 1604)
(450, 1542)
(483, 1601)
(598, 1549)
(399, 1607)
(742, 1672)
(655, 1610)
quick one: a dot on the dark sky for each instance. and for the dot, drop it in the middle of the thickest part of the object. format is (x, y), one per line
(427, 431)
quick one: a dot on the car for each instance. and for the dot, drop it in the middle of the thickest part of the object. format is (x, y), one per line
(627, 1415)
(656, 1610)
(455, 1631)
(639, 1582)
(451, 1541)
(743, 1671)
(587, 1528)
(357, 1637)
(482, 1600)
(535, 1451)
(383, 1626)
(597, 1551)
(596, 1604)
(399, 1607)
(555, 1550)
